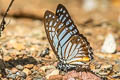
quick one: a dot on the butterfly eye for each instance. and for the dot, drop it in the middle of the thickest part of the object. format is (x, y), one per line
(71, 47)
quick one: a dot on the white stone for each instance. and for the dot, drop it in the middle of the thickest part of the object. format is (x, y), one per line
(71, 79)
(54, 72)
(89, 5)
(44, 68)
(109, 45)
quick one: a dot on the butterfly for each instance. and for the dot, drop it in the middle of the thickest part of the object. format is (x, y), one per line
(71, 48)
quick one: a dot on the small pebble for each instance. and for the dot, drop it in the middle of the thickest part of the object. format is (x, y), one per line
(102, 69)
(54, 77)
(71, 79)
(89, 5)
(0, 75)
(20, 67)
(29, 66)
(12, 76)
(54, 72)
(27, 71)
(35, 67)
(38, 78)
(7, 58)
(44, 68)
(14, 70)
(109, 45)
(116, 75)
(21, 74)
(29, 78)
(18, 46)
(8, 71)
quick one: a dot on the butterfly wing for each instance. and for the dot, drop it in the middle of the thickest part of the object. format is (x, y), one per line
(68, 44)
(64, 17)
(53, 30)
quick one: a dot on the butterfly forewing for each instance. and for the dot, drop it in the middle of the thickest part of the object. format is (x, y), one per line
(58, 34)
(68, 44)
(64, 17)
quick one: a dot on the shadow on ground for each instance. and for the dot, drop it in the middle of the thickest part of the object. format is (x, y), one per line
(13, 63)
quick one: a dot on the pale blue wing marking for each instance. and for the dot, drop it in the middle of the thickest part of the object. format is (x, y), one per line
(63, 41)
(46, 17)
(70, 20)
(59, 52)
(50, 15)
(61, 17)
(50, 24)
(71, 27)
(67, 23)
(64, 11)
(57, 11)
(73, 54)
(49, 28)
(75, 31)
(55, 41)
(67, 15)
(63, 50)
(62, 34)
(50, 35)
(60, 26)
(53, 34)
(67, 50)
(54, 24)
(53, 29)
(78, 46)
(64, 19)
(61, 9)
(73, 47)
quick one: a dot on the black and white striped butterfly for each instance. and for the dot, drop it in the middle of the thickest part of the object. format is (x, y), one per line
(72, 48)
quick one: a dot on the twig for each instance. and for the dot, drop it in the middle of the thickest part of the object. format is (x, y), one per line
(2, 26)
(3, 22)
